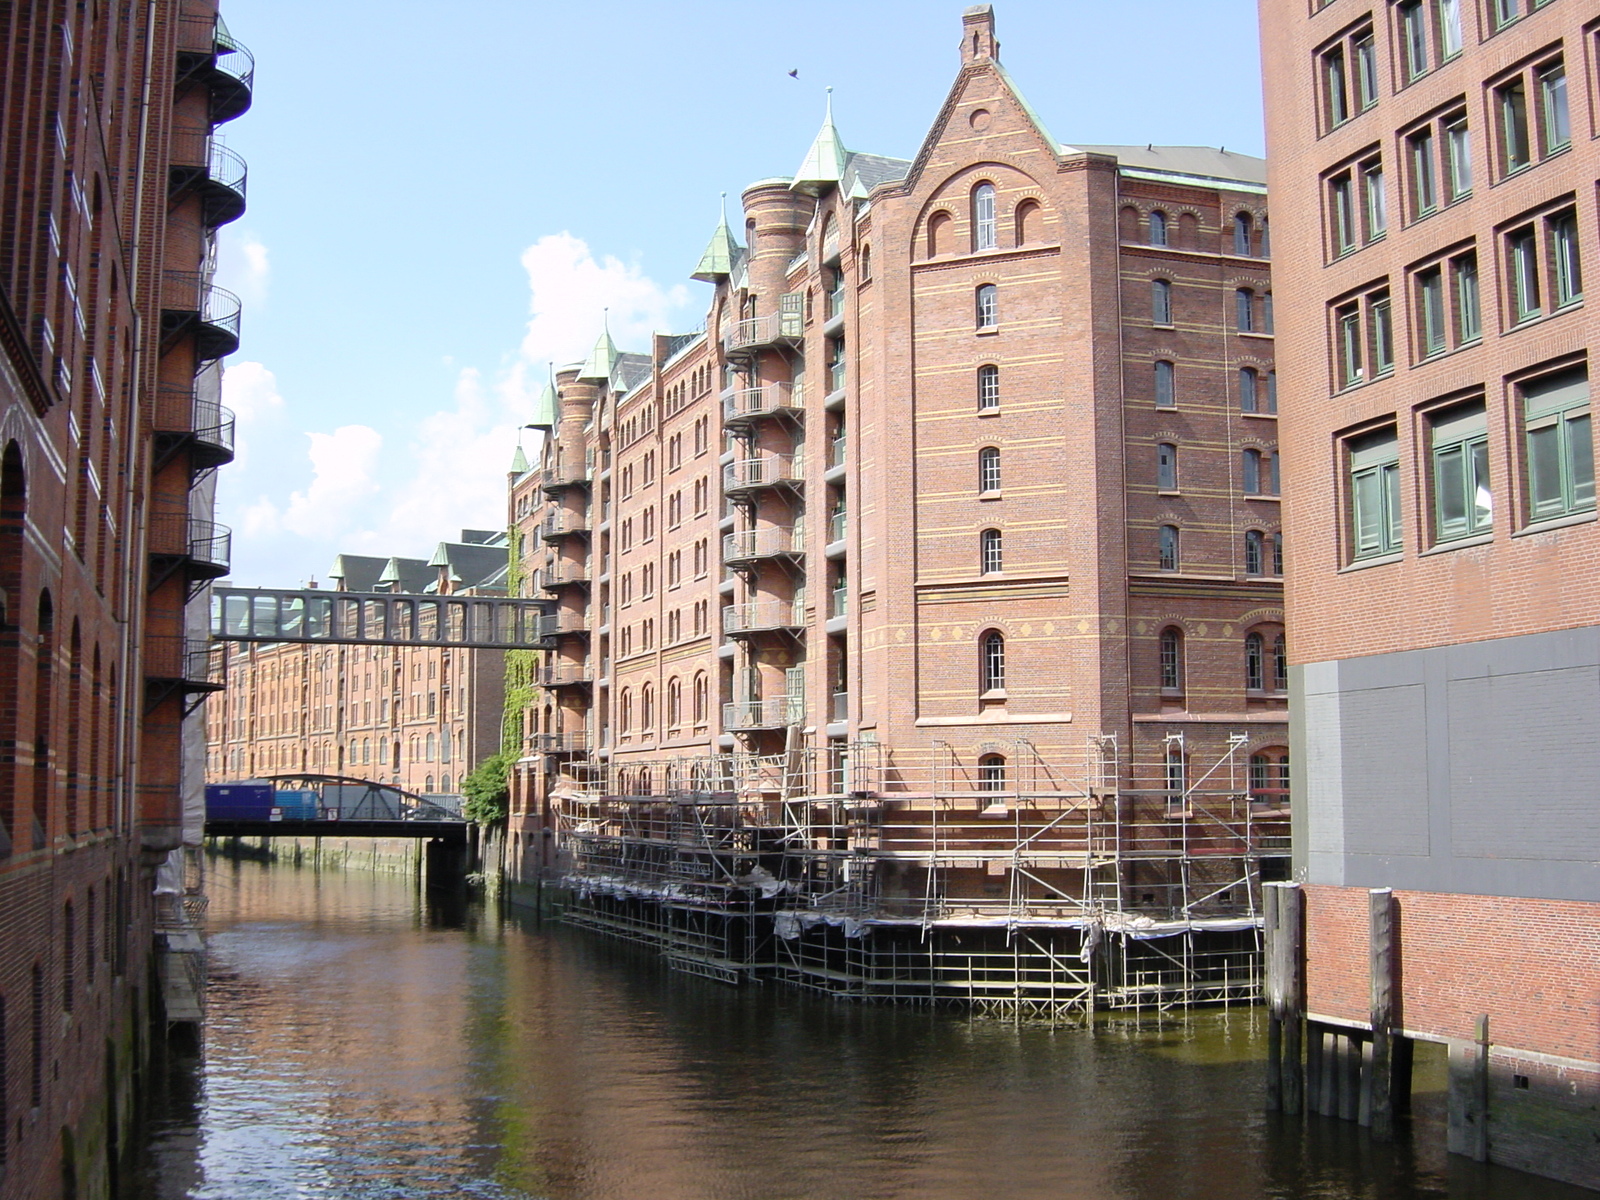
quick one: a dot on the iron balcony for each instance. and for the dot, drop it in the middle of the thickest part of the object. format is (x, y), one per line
(204, 426)
(560, 674)
(205, 166)
(763, 616)
(179, 659)
(745, 404)
(189, 302)
(205, 546)
(755, 545)
(554, 625)
(561, 743)
(554, 480)
(754, 333)
(565, 573)
(563, 524)
(764, 471)
(777, 713)
(208, 53)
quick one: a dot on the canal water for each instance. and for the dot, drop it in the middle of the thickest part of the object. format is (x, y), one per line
(363, 1042)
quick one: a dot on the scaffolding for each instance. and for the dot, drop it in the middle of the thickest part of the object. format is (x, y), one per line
(1054, 890)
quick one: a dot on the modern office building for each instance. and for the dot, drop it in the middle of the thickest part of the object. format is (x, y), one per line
(115, 181)
(1433, 177)
(413, 717)
(918, 624)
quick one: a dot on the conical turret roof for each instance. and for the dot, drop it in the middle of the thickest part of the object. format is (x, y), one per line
(826, 160)
(601, 359)
(718, 260)
(519, 462)
(544, 408)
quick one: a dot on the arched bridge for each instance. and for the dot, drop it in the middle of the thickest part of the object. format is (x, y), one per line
(304, 805)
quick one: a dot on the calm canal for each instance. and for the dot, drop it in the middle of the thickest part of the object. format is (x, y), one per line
(363, 1043)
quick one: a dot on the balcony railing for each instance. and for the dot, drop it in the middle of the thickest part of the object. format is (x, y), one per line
(777, 713)
(564, 475)
(202, 162)
(178, 658)
(767, 470)
(205, 426)
(840, 710)
(206, 545)
(837, 522)
(568, 620)
(837, 450)
(750, 545)
(564, 574)
(208, 51)
(561, 743)
(560, 524)
(836, 303)
(565, 674)
(836, 376)
(838, 602)
(766, 400)
(760, 616)
(754, 332)
(188, 301)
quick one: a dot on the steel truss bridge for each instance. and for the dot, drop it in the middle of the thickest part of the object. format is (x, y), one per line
(350, 807)
(322, 616)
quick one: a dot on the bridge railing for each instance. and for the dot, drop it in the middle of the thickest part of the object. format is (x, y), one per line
(375, 618)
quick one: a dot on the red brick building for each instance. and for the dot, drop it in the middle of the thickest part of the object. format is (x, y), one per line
(934, 587)
(415, 717)
(115, 181)
(1433, 176)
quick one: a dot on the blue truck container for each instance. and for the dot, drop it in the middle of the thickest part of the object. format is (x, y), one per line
(239, 801)
(301, 804)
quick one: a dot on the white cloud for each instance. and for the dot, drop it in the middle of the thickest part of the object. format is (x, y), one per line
(244, 266)
(343, 469)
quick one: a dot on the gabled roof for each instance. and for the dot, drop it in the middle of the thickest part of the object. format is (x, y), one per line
(469, 565)
(356, 572)
(720, 256)
(825, 162)
(866, 171)
(405, 575)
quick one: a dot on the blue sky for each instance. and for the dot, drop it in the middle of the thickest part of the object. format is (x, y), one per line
(440, 205)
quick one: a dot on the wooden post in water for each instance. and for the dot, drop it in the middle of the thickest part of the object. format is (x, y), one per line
(1379, 1090)
(1284, 927)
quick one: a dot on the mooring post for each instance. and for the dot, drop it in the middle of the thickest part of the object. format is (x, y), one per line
(1378, 1089)
(1271, 932)
(1292, 922)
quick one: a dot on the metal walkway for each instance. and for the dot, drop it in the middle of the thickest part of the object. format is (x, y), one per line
(349, 807)
(316, 615)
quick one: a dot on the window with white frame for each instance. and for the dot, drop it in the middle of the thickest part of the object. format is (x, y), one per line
(991, 551)
(984, 235)
(989, 469)
(988, 388)
(1374, 466)
(988, 306)
(992, 662)
(1167, 548)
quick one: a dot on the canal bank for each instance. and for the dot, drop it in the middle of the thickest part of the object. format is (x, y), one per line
(362, 1042)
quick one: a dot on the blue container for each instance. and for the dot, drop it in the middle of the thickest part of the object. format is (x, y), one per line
(239, 801)
(298, 804)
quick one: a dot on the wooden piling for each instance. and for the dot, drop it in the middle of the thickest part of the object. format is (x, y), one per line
(1283, 925)
(1378, 1080)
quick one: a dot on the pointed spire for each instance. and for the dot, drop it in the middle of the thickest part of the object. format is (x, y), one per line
(547, 405)
(603, 357)
(825, 162)
(717, 262)
(519, 462)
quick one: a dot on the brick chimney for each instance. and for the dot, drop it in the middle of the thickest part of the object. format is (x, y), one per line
(977, 35)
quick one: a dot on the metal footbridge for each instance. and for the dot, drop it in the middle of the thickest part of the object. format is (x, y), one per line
(340, 806)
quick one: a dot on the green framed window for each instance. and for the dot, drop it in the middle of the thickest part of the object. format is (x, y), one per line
(1462, 502)
(1559, 445)
(1374, 495)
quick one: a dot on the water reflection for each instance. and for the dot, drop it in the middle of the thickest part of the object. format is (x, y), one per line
(364, 1044)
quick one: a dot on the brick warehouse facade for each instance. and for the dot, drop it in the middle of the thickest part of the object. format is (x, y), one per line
(1434, 171)
(110, 428)
(917, 628)
(415, 717)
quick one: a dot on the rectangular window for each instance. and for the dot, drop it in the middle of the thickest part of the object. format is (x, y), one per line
(1424, 178)
(1160, 302)
(1375, 203)
(1505, 12)
(1382, 334)
(1560, 445)
(1335, 84)
(1553, 108)
(1462, 504)
(1414, 38)
(1374, 495)
(1515, 144)
(1449, 29)
(1352, 360)
(1244, 310)
(1566, 271)
(1430, 311)
(1469, 314)
(1522, 255)
(1458, 147)
(1366, 71)
(1167, 467)
(1342, 203)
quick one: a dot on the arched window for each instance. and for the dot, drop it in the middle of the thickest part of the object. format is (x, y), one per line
(1177, 775)
(1254, 552)
(701, 699)
(1277, 554)
(674, 703)
(1158, 228)
(1252, 472)
(1161, 302)
(1248, 399)
(1280, 664)
(625, 717)
(1266, 312)
(397, 754)
(1166, 466)
(1166, 384)
(938, 234)
(984, 236)
(988, 387)
(988, 306)
(989, 469)
(429, 748)
(1028, 222)
(992, 662)
(1241, 233)
(1270, 396)
(1169, 547)
(366, 750)
(992, 773)
(647, 710)
(1269, 777)
(1244, 310)
(865, 268)
(427, 784)
(991, 551)
(1128, 224)
(1171, 659)
(1266, 238)
(1254, 663)
(444, 784)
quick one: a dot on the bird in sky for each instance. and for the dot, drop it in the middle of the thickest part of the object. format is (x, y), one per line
(795, 74)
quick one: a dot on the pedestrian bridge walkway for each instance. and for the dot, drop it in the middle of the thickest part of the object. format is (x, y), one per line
(331, 806)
